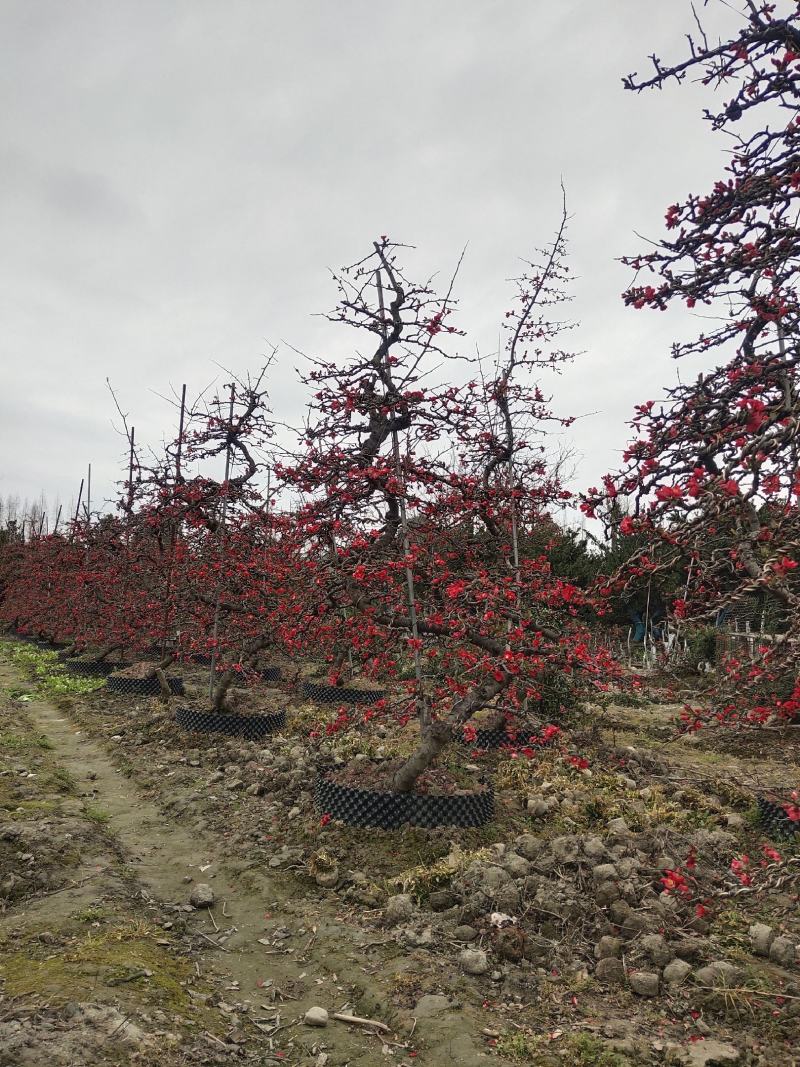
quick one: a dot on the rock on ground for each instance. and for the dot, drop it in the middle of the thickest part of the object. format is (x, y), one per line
(202, 895)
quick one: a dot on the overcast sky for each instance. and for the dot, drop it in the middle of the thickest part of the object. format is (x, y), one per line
(176, 178)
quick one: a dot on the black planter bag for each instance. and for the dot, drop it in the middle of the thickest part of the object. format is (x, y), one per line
(144, 687)
(389, 811)
(251, 727)
(333, 694)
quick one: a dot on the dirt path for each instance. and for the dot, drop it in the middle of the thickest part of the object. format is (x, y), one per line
(276, 954)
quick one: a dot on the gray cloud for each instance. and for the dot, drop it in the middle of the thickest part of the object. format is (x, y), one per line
(177, 178)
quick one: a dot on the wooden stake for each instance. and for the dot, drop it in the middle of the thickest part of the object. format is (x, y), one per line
(412, 607)
(89, 496)
(78, 505)
(132, 439)
(215, 630)
(180, 434)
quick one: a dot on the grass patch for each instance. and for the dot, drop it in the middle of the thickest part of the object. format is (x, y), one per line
(86, 967)
(579, 1050)
(94, 913)
(61, 781)
(14, 742)
(26, 809)
(96, 815)
(46, 671)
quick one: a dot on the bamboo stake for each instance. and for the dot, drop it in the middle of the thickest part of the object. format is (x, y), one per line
(179, 453)
(410, 589)
(78, 505)
(215, 630)
(173, 533)
(132, 439)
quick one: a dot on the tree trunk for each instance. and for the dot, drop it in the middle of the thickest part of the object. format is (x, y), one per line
(162, 665)
(438, 734)
(106, 650)
(226, 681)
(163, 685)
(221, 688)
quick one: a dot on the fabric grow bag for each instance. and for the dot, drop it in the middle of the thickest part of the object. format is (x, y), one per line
(334, 694)
(145, 687)
(251, 727)
(389, 811)
(773, 819)
(91, 668)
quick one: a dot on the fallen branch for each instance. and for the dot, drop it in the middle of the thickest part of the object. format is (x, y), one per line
(211, 941)
(354, 1020)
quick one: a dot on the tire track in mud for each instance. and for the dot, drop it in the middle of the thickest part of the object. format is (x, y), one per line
(265, 937)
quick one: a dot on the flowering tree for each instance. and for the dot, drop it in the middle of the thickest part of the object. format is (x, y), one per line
(225, 548)
(419, 495)
(713, 473)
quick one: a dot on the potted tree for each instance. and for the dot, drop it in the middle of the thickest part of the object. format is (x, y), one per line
(417, 498)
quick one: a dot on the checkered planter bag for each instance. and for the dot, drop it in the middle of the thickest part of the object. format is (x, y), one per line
(251, 727)
(773, 819)
(334, 694)
(91, 668)
(142, 687)
(389, 811)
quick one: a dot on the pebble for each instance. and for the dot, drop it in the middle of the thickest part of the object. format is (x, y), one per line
(473, 961)
(604, 872)
(610, 970)
(431, 1004)
(316, 1017)
(595, 849)
(529, 846)
(442, 900)
(676, 973)
(761, 938)
(783, 951)
(328, 879)
(644, 983)
(608, 948)
(517, 866)
(565, 849)
(607, 893)
(708, 1053)
(417, 938)
(720, 973)
(465, 933)
(202, 895)
(398, 908)
(657, 949)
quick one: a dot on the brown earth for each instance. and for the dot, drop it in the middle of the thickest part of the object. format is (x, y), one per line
(377, 922)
